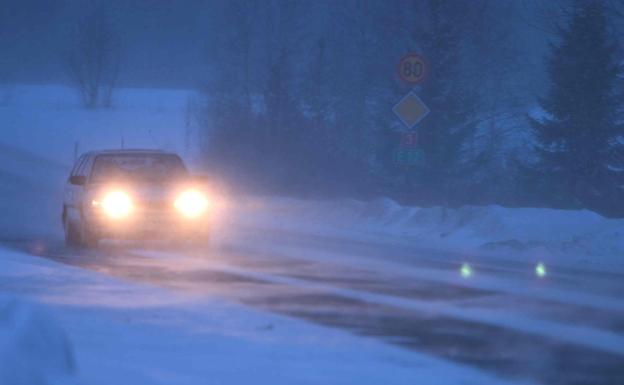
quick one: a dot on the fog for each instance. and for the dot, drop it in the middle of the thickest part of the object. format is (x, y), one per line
(297, 98)
(324, 192)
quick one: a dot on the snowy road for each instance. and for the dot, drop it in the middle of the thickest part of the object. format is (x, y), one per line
(299, 291)
(565, 329)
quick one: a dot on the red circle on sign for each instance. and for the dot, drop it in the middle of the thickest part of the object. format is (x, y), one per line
(412, 68)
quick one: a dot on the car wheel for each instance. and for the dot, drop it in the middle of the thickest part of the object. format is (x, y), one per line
(87, 238)
(72, 236)
(78, 235)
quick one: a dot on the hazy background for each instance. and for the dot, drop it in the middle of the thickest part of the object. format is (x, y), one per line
(296, 97)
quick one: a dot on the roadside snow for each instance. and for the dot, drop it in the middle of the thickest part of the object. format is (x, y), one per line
(568, 237)
(34, 348)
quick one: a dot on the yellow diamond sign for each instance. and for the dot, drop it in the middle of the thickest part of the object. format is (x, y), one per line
(411, 110)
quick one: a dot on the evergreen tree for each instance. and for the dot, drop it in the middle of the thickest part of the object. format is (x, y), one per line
(579, 142)
(445, 132)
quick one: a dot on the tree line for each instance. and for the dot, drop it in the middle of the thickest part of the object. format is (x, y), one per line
(525, 99)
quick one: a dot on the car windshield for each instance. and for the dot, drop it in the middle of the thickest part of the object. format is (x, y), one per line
(144, 167)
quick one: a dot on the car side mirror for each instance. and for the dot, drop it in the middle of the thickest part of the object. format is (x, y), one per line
(78, 180)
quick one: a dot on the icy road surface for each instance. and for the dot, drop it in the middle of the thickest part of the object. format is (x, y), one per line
(565, 328)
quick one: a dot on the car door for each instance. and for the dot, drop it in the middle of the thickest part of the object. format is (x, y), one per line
(73, 192)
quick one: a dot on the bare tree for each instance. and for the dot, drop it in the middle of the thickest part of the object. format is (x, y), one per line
(94, 58)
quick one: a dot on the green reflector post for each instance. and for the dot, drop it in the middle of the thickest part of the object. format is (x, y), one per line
(466, 270)
(540, 270)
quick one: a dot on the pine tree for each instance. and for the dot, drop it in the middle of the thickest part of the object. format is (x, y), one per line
(445, 132)
(579, 142)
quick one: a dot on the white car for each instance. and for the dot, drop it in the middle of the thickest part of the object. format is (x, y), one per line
(134, 194)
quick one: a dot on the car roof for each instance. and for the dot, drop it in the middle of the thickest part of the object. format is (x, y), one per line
(129, 151)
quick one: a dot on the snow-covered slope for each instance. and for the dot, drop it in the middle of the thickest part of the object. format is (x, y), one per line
(49, 120)
(31, 188)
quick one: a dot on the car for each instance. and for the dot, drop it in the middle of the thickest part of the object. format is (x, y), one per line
(134, 194)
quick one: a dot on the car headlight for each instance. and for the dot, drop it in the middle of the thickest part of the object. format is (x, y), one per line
(116, 204)
(191, 203)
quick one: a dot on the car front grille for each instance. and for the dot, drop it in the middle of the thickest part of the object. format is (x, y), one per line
(156, 205)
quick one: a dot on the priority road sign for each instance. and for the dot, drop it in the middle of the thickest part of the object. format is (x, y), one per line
(411, 110)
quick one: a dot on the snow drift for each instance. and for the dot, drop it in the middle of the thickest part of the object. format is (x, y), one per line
(567, 236)
(33, 347)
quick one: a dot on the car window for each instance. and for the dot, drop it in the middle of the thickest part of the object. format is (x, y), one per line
(83, 168)
(152, 167)
(77, 165)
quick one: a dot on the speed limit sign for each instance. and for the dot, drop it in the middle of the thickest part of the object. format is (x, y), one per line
(412, 68)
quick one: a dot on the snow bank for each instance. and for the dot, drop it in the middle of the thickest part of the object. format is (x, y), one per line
(567, 236)
(33, 347)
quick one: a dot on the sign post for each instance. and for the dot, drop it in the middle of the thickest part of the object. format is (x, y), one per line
(412, 69)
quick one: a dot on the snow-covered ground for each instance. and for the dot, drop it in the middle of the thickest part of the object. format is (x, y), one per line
(34, 348)
(104, 330)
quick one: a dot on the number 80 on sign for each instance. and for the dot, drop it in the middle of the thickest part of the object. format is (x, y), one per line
(412, 68)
